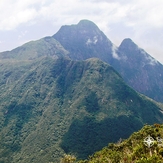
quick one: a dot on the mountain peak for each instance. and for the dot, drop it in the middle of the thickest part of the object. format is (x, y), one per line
(128, 43)
(83, 25)
(87, 24)
(84, 40)
(127, 40)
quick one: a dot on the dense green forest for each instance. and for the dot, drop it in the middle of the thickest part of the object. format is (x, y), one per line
(52, 106)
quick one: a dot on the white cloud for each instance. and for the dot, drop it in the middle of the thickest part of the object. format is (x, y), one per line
(114, 51)
(147, 14)
(17, 19)
(134, 13)
(150, 59)
(22, 34)
(14, 13)
(94, 40)
(137, 19)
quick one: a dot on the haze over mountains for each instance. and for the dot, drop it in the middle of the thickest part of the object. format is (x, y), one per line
(57, 98)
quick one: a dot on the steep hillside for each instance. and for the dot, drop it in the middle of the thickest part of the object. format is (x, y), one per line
(49, 107)
(144, 146)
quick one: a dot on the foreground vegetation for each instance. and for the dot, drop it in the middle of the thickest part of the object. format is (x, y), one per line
(131, 150)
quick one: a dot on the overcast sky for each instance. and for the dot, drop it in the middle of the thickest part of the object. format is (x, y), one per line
(140, 20)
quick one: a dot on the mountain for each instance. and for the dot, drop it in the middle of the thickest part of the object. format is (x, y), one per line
(32, 50)
(138, 68)
(50, 106)
(133, 149)
(55, 98)
(84, 41)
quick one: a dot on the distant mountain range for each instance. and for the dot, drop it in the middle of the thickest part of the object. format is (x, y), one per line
(141, 71)
(58, 96)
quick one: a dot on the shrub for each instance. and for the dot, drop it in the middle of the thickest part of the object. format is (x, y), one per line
(68, 159)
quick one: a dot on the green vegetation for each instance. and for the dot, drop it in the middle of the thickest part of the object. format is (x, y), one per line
(50, 106)
(68, 159)
(32, 50)
(132, 149)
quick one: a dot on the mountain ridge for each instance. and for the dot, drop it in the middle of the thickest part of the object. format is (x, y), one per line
(56, 98)
(85, 40)
(49, 107)
(46, 46)
(146, 78)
